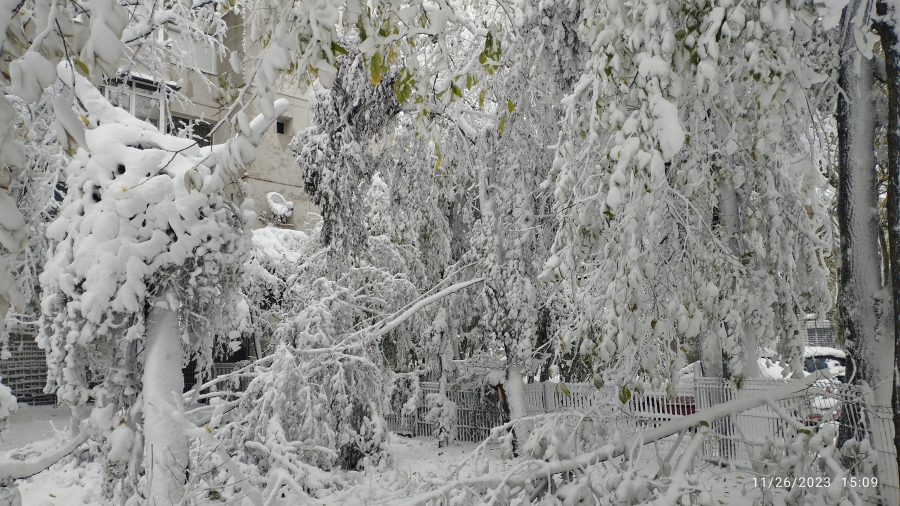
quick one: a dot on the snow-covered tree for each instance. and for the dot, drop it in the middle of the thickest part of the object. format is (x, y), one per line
(95, 37)
(684, 161)
(144, 272)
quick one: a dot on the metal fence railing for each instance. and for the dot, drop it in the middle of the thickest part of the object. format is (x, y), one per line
(736, 440)
(25, 371)
(478, 410)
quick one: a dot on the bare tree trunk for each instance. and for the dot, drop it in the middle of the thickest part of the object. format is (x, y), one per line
(165, 447)
(889, 42)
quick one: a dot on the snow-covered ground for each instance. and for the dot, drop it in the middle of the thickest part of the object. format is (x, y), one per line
(33, 423)
(34, 430)
(415, 460)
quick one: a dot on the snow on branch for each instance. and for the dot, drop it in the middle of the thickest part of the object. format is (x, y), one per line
(19, 469)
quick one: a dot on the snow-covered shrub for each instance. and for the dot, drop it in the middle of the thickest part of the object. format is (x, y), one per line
(442, 413)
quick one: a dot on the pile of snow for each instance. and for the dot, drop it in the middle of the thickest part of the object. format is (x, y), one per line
(279, 246)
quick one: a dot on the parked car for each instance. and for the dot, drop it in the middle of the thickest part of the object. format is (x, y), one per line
(815, 358)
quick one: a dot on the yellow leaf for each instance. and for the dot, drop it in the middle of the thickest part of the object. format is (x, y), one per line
(375, 68)
(81, 68)
(510, 106)
(207, 429)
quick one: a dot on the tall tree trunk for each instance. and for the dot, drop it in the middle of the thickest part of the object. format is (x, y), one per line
(889, 41)
(165, 447)
(857, 200)
(864, 317)
(514, 388)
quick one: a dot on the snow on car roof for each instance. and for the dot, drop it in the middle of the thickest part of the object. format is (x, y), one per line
(810, 352)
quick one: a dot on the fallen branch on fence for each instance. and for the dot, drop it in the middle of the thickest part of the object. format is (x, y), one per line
(539, 469)
(19, 469)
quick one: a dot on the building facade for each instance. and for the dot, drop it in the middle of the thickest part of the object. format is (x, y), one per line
(274, 177)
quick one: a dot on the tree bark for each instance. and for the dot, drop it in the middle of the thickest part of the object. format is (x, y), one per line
(865, 319)
(165, 447)
(857, 200)
(889, 41)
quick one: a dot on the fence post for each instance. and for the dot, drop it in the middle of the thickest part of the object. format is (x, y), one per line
(549, 396)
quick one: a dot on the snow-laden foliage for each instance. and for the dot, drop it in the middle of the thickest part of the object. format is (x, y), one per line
(337, 168)
(144, 272)
(610, 186)
(99, 39)
(692, 206)
(33, 194)
(130, 235)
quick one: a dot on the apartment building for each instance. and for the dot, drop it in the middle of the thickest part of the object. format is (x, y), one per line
(274, 177)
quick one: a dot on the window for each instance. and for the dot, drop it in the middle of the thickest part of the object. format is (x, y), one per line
(283, 126)
(139, 98)
(196, 129)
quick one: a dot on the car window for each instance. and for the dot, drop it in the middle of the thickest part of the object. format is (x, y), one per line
(813, 364)
(809, 365)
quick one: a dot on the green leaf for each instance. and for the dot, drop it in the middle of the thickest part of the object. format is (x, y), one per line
(805, 431)
(500, 127)
(704, 423)
(510, 106)
(481, 99)
(564, 389)
(482, 59)
(624, 394)
(337, 48)
(468, 82)
(455, 90)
